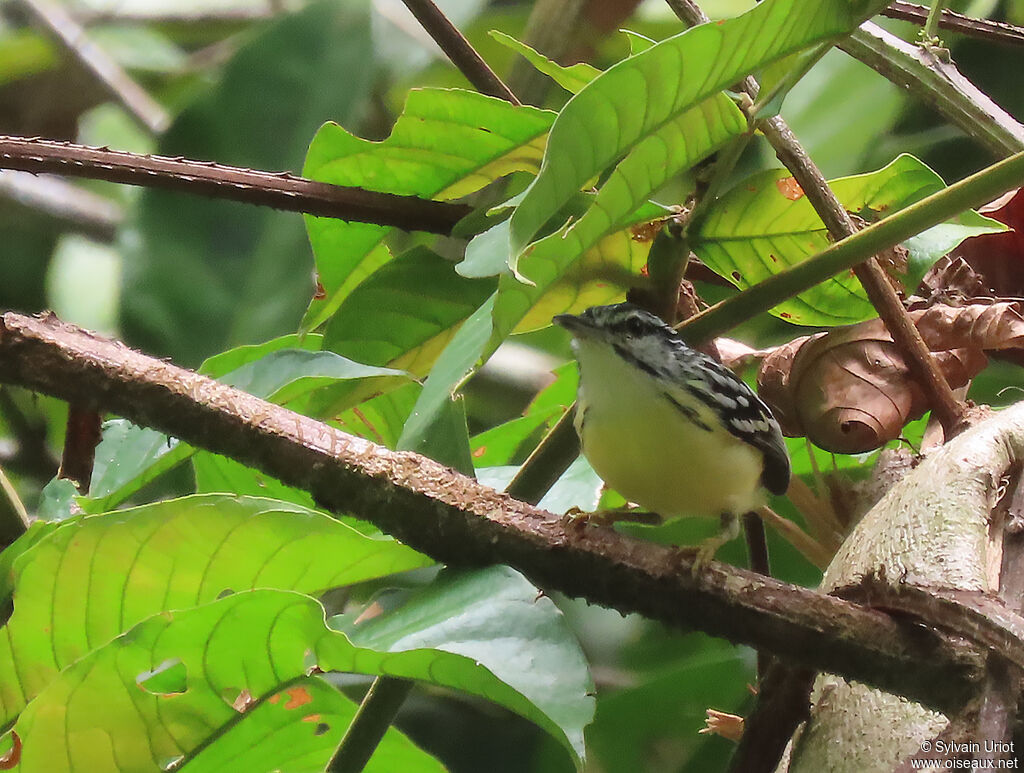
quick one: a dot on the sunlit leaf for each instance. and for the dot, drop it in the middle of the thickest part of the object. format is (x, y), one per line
(283, 636)
(633, 100)
(171, 555)
(765, 225)
(445, 144)
(572, 78)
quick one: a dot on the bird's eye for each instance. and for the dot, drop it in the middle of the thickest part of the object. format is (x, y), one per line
(634, 327)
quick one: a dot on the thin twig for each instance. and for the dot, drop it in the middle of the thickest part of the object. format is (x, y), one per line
(376, 713)
(136, 100)
(456, 520)
(72, 206)
(880, 292)
(996, 31)
(459, 51)
(270, 189)
(14, 518)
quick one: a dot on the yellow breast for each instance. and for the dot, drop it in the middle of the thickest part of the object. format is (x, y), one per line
(646, 447)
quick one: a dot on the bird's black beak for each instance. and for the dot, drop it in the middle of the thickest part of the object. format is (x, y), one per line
(571, 322)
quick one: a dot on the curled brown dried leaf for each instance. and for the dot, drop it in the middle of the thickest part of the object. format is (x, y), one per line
(850, 390)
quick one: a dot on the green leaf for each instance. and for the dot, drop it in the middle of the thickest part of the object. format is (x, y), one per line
(285, 374)
(495, 617)
(248, 702)
(56, 499)
(283, 636)
(636, 98)
(445, 144)
(431, 428)
(283, 369)
(210, 274)
(405, 313)
(128, 458)
(593, 260)
(171, 555)
(298, 730)
(380, 419)
(502, 445)
(765, 225)
(572, 78)
(216, 474)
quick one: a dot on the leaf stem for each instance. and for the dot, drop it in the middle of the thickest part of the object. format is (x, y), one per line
(376, 713)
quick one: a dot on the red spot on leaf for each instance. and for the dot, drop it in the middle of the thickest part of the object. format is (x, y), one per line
(319, 293)
(786, 315)
(311, 718)
(274, 698)
(298, 696)
(737, 276)
(789, 188)
(480, 452)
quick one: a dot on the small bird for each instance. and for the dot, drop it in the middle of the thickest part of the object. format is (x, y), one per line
(668, 427)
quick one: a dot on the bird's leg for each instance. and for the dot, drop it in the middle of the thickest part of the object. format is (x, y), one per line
(729, 531)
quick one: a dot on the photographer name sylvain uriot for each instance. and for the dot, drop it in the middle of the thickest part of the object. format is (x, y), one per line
(988, 746)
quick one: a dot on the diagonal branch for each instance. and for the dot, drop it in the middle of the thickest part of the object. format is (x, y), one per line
(280, 190)
(455, 519)
(459, 51)
(136, 100)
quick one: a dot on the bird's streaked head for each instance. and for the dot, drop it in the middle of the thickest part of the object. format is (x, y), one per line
(633, 333)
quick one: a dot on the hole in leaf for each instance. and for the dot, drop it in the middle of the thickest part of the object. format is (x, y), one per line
(168, 678)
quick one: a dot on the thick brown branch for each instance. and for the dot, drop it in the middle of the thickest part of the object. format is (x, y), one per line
(455, 519)
(270, 189)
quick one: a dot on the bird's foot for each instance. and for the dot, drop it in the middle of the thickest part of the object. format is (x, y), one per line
(729, 531)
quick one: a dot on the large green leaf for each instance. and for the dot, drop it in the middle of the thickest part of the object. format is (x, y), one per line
(635, 99)
(495, 617)
(96, 576)
(403, 315)
(169, 689)
(209, 274)
(765, 225)
(298, 730)
(445, 144)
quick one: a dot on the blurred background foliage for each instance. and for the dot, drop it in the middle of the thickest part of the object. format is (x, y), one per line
(248, 82)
